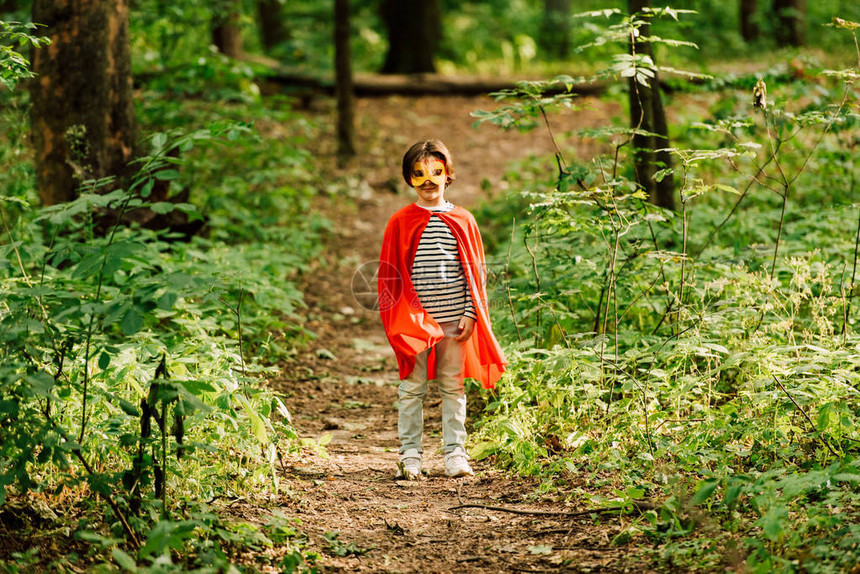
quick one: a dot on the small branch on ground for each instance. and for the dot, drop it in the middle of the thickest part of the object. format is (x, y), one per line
(640, 506)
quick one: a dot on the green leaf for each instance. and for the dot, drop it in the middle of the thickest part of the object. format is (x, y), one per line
(129, 408)
(847, 477)
(167, 534)
(104, 361)
(103, 541)
(146, 190)
(197, 388)
(162, 207)
(87, 267)
(132, 322)
(635, 493)
(124, 560)
(167, 300)
(483, 449)
(186, 207)
(17, 200)
(41, 383)
(716, 347)
(622, 538)
(726, 188)
(167, 174)
(731, 495)
(282, 410)
(705, 491)
(158, 140)
(772, 522)
(828, 416)
(258, 426)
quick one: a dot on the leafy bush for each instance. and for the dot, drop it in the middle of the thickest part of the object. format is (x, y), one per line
(703, 359)
(133, 362)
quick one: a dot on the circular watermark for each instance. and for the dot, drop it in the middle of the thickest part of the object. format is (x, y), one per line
(376, 285)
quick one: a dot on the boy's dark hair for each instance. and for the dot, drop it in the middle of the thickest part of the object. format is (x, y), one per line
(423, 150)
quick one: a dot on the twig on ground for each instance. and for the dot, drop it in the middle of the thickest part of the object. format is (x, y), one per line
(565, 531)
(530, 571)
(638, 505)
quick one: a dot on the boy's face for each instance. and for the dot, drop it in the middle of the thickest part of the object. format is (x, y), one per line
(428, 178)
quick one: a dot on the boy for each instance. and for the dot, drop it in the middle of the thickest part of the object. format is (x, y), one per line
(434, 308)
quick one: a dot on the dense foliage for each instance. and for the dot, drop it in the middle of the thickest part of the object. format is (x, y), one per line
(705, 359)
(132, 361)
(486, 37)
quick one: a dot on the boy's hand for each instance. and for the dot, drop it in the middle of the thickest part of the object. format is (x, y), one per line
(466, 326)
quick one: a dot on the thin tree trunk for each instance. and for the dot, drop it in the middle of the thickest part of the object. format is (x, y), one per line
(555, 28)
(226, 32)
(647, 115)
(273, 29)
(665, 188)
(343, 84)
(749, 23)
(82, 112)
(414, 33)
(790, 22)
(642, 117)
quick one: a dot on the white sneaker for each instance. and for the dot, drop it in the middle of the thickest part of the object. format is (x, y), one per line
(457, 463)
(409, 465)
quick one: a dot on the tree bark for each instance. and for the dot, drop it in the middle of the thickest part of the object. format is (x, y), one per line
(82, 113)
(749, 23)
(273, 29)
(555, 28)
(790, 22)
(414, 32)
(343, 84)
(226, 32)
(648, 115)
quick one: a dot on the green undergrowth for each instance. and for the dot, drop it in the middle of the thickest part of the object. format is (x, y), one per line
(134, 363)
(705, 360)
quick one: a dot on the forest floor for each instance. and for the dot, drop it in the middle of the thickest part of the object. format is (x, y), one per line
(344, 384)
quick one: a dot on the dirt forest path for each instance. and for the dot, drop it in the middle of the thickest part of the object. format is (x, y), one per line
(345, 384)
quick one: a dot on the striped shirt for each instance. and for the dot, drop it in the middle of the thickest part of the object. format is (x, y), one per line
(437, 273)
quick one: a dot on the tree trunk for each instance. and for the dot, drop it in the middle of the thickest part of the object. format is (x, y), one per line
(789, 22)
(749, 22)
(414, 33)
(647, 114)
(226, 32)
(7, 6)
(555, 28)
(343, 83)
(82, 113)
(273, 30)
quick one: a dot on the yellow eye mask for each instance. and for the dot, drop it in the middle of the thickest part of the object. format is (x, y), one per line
(432, 170)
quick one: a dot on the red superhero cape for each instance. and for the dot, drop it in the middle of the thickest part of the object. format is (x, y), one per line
(409, 328)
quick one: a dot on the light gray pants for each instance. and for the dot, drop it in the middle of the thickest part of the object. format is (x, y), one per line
(449, 377)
